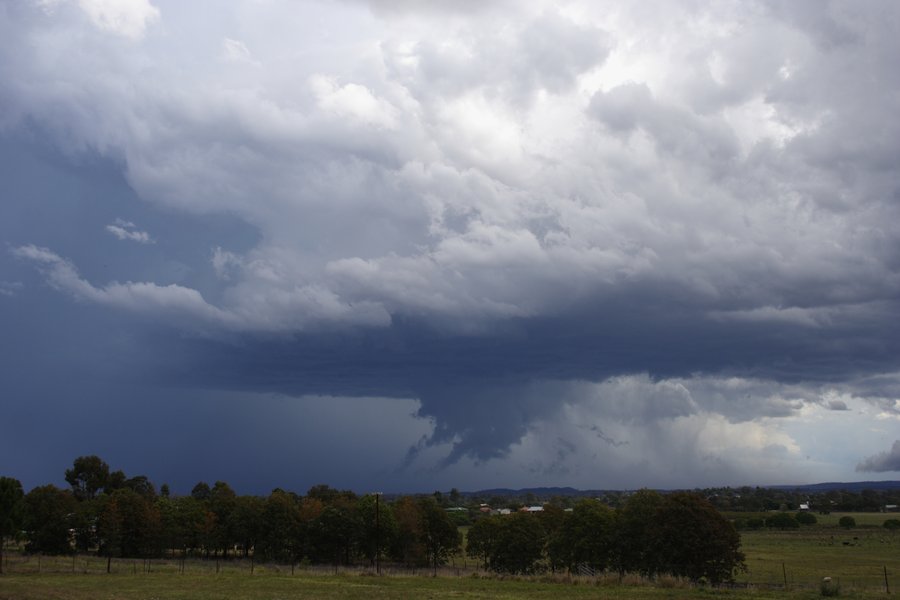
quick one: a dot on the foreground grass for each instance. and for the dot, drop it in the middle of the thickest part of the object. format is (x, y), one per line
(167, 586)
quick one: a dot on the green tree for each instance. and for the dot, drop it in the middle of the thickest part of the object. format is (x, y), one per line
(246, 521)
(46, 519)
(88, 475)
(128, 524)
(279, 528)
(440, 536)
(408, 545)
(378, 527)
(892, 524)
(222, 500)
(690, 538)
(12, 502)
(806, 518)
(482, 539)
(847, 522)
(587, 537)
(635, 532)
(519, 545)
(782, 521)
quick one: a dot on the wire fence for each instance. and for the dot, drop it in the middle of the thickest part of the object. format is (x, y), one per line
(871, 578)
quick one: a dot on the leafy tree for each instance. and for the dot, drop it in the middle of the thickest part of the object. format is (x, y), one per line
(690, 538)
(378, 527)
(587, 537)
(141, 485)
(46, 519)
(201, 491)
(408, 545)
(279, 528)
(88, 475)
(519, 544)
(440, 536)
(482, 538)
(12, 501)
(222, 500)
(635, 532)
(128, 524)
(847, 522)
(806, 518)
(246, 521)
(782, 521)
(334, 533)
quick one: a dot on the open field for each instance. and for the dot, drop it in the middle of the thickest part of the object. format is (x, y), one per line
(346, 587)
(857, 557)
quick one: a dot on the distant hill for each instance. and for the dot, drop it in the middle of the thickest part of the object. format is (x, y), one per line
(850, 486)
(546, 492)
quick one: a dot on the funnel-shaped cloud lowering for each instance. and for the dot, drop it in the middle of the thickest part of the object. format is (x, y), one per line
(666, 220)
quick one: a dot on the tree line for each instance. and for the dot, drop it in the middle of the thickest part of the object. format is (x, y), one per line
(679, 534)
(113, 515)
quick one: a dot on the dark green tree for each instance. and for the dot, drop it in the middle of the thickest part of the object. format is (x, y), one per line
(519, 545)
(587, 537)
(88, 475)
(482, 538)
(847, 522)
(806, 518)
(222, 500)
(440, 536)
(690, 538)
(378, 527)
(635, 532)
(128, 524)
(47, 520)
(782, 521)
(201, 491)
(279, 528)
(246, 522)
(892, 524)
(12, 503)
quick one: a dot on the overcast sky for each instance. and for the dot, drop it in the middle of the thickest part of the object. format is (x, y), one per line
(415, 245)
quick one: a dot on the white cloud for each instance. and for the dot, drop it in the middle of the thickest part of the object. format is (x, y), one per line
(11, 288)
(126, 230)
(128, 18)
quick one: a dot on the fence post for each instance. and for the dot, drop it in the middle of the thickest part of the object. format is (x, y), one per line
(784, 573)
(887, 586)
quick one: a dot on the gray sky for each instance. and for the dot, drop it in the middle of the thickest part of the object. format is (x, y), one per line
(406, 246)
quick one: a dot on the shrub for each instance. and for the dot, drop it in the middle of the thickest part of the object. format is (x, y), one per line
(806, 518)
(892, 524)
(782, 521)
(847, 522)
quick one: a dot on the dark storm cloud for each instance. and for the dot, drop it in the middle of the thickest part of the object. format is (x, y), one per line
(506, 216)
(883, 462)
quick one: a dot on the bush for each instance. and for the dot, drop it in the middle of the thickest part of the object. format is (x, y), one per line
(892, 524)
(847, 522)
(755, 523)
(806, 518)
(782, 521)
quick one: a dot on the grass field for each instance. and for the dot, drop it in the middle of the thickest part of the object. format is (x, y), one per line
(345, 587)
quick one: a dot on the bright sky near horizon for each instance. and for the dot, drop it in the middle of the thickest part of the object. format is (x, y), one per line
(414, 245)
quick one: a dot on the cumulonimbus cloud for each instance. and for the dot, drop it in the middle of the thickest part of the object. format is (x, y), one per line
(882, 462)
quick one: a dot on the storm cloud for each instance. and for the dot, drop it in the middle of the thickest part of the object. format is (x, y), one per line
(565, 234)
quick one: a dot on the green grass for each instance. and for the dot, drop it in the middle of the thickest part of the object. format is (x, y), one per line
(857, 557)
(325, 587)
